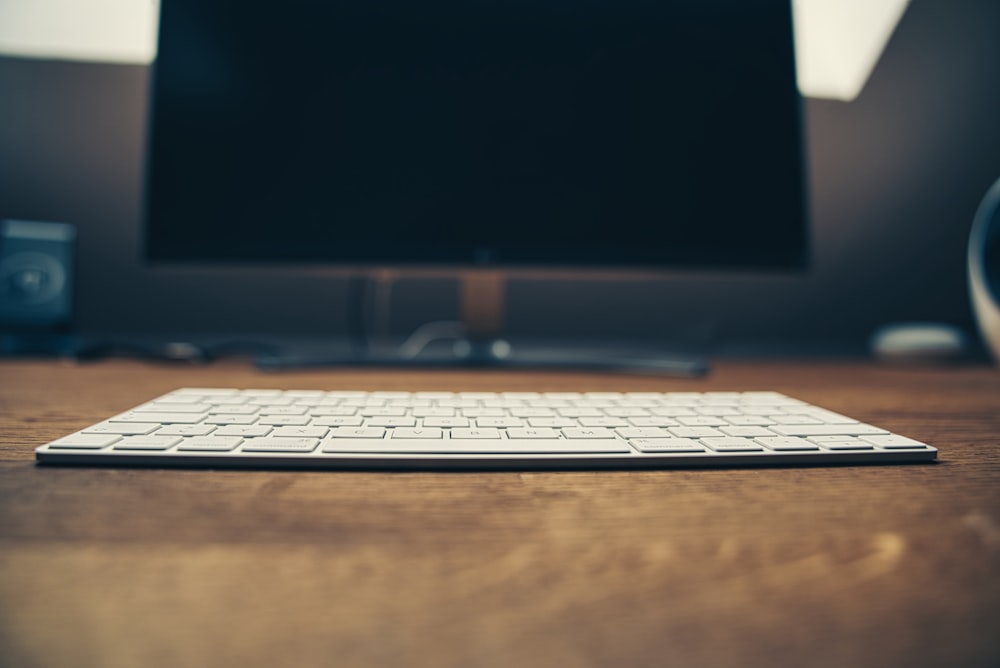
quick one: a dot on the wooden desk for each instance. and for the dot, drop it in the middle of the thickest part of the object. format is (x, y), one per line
(849, 566)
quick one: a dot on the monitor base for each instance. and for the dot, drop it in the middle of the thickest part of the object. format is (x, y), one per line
(496, 354)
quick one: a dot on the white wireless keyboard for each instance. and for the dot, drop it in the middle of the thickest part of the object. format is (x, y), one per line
(513, 430)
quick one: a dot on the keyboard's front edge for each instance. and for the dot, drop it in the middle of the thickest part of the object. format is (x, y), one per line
(392, 461)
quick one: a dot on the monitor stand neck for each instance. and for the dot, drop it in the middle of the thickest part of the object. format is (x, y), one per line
(478, 342)
(482, 314)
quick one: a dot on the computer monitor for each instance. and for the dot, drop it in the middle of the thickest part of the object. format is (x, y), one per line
(518, 135)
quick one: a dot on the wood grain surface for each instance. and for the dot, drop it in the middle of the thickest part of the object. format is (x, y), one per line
(893, 565)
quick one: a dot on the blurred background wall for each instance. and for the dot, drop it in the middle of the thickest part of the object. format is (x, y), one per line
(895, 178)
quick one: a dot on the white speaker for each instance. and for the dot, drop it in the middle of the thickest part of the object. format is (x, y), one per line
(984, 268)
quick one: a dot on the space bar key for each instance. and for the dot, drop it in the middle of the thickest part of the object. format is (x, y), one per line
(456, 446)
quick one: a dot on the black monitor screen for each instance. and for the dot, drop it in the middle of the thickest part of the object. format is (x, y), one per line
(460, 132)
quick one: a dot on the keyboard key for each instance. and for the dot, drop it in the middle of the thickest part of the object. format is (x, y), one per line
(786, 443)
(605, 421)
(475, 432)
(231, 401)
(204, 392)
(346, 394)
(403, 421)
(338, 421)
(284, 420)
(721, 397)
(702, 421)
(730, 444)
(694, 432)
(435, 412)
(228, 418)
(673, 411)
(244, 431)
(719, 411)
(362, 402)
(476, 446)
(186, 430)
(274, 444)
(282, 410)
(749, 420)
(582, 412)
(357, 432)
(424, 432)
(271, 401)
(832, 438)
(642, 432)
(168, 407)
(829, 417)
(332, 410)
(300, 432)
(500, 422)
(162, 418)
(667, 445)
(123, 429)
(85, 441)
(653, 421)
(746, 432)
(304, 394)
(625, 412)
(764, 397)
(797, 419)
(382, 411)
(483, 412)
(530, 433)
(841, 443)
(180, 399)
(446, 422)
(588, 432)
(210, 443)
(531, 411)
(552, 422)
(147, 442)
(855, 429)
(892, 441)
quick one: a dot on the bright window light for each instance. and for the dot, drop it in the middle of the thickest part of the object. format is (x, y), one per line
(115, 31)
(838, 42)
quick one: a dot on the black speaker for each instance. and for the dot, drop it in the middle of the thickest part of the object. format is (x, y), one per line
(36, 286)
(984, 268)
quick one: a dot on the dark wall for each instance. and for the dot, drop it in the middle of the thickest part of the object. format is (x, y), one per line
(895, 177)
